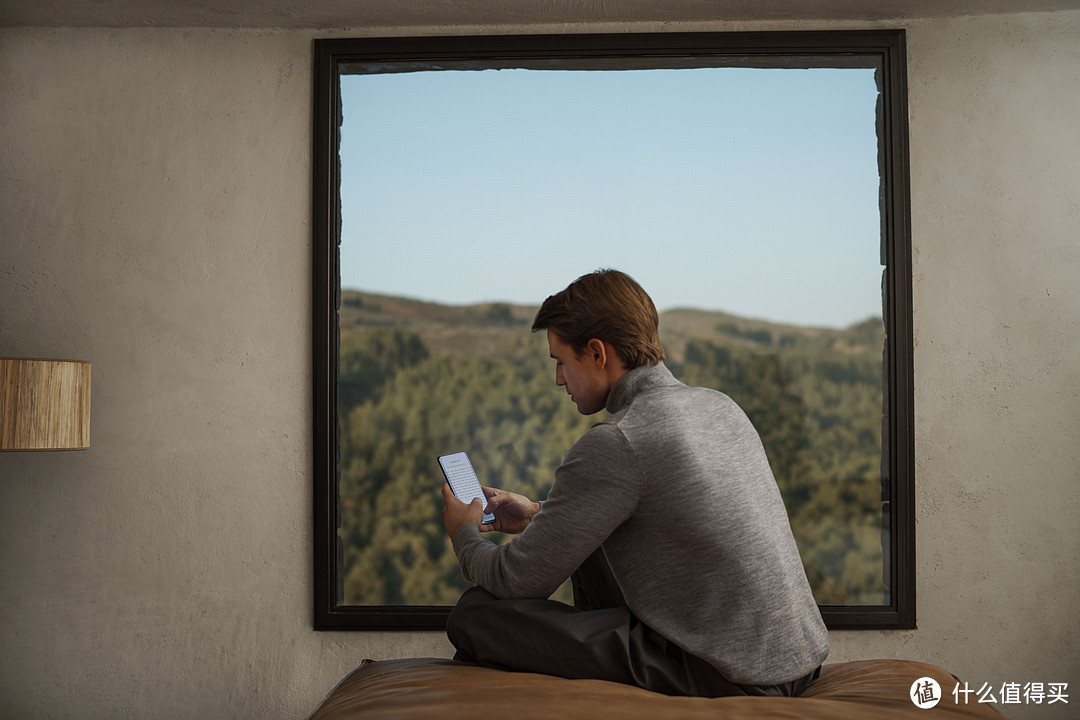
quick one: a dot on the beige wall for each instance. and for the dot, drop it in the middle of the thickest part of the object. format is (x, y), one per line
(154, 218)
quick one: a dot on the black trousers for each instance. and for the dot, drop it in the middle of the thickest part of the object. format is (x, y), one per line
(598, 637)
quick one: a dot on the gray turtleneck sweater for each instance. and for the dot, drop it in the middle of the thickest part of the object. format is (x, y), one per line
(676, 488)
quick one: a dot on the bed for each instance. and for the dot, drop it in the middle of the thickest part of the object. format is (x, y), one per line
(450, 690)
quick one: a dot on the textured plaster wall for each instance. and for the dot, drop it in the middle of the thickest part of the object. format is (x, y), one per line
(995, 164)
(154, 218)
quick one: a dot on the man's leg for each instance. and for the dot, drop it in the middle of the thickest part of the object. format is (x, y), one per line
(545, 636)
(600, 638)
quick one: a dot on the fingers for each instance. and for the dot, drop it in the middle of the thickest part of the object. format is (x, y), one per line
(456, 513)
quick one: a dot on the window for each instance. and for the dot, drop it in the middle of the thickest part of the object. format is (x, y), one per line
(448, 199)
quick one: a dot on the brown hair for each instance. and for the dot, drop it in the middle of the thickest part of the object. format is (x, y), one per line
(610, 306)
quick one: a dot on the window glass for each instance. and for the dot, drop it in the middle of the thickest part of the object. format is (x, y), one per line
(745, 201)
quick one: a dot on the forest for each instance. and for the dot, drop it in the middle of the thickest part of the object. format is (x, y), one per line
(417, 380)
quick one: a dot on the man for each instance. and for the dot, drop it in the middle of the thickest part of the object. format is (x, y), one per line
(666, 516)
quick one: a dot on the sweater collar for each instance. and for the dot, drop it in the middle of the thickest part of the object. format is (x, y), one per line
(637, 381)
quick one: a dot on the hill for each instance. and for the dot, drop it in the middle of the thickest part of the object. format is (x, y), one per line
(418, 379)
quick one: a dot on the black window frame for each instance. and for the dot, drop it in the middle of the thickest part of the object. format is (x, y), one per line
(778, 49)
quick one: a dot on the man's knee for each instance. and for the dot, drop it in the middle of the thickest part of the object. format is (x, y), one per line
(466, 618)
(471, 602)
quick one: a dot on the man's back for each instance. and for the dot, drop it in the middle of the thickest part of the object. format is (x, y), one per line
(707, 558)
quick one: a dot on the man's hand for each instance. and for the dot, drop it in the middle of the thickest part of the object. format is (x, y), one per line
(513, 512)
(457, 513)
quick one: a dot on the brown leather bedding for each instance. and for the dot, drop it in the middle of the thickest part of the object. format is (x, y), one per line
(448, 690)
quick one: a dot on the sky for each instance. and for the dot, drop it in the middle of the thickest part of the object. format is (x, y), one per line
(750, 191)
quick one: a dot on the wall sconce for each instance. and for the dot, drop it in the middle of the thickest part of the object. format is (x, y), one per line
(44, 404)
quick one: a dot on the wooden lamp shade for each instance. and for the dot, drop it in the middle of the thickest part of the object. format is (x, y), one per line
(44, 404)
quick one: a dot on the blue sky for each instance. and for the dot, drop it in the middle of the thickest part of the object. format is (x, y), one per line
(744, 190)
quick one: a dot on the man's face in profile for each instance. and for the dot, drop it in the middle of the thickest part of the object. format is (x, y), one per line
(582, 377)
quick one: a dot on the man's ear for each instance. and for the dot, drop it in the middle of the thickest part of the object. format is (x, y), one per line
(596, 352)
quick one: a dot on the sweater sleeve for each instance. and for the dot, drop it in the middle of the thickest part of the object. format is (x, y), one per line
(596, 489)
